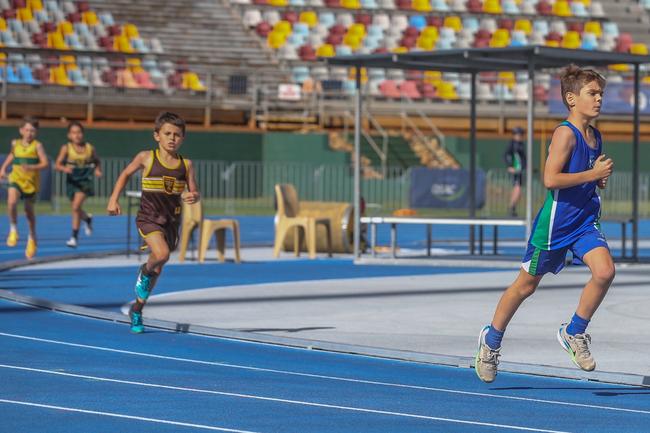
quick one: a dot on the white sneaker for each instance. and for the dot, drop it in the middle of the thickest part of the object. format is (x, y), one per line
(72, 242)
(88, 225)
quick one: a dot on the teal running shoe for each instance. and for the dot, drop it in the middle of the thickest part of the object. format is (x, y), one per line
(136, 322)
(144, 284)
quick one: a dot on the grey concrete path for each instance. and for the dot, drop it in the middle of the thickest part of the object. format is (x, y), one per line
(439, 314)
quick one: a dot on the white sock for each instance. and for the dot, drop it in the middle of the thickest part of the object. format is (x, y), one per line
(12, 227)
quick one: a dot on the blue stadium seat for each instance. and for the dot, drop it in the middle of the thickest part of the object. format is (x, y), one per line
(300, 74)
(12, 76)
(418, 21)
(77, 77)
(369, 4)
(589, 41)
(25, 73)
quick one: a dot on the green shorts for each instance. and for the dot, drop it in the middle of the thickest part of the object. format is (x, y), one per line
(87, 186)
(23, 194)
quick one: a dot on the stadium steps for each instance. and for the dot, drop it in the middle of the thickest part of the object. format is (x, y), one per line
(431, 154)
(339, 143)
(631, 18)
(206, 32)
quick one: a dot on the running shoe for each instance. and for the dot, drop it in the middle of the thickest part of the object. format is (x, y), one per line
(12, 239)
(30, 250)
(72, 242)
(487, 359)
(577, 346)
(136, 322)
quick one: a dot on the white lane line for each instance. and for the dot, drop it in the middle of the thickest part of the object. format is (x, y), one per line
(333, 378)
(119, 415)
(281, 400)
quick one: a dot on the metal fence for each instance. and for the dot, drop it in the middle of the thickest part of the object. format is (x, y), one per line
(232, 188)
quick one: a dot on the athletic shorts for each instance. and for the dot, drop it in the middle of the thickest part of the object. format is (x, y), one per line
(539, 262)
(23, 194)
(169, 231)
(517, 179)
(87, 186)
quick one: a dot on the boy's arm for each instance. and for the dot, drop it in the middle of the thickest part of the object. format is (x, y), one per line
(8, 160)
(98, 166)
(138, 163)
(43, 161)
(192, 194)
(559, 152)
(60, 158)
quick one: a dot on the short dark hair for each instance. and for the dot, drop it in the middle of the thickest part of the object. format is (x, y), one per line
(74, 123)
(574, 78)
(31, 120)
(171, 118)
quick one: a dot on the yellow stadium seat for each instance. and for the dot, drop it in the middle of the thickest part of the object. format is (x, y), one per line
(646, 79)
(25, 14)
(3, 24)
(59, 75)
(447, 91)
(427, 44)
(283, 27)
(430, 32)
(191, 81)
(352, 74)
(639, 49)
(55, 40)
(594, 27)
(524, 25)
(432, 77)
(561, 8)
(587, 3)
(453, 22)
(135, 65)
(121, 44)
(35, 5)
(279, 2)
(571, 40)
(500, 38)
(65, 28)
(90, 18)
(69, 62)
(126, 79)
(131, 31)
(552, 43)
(507, 78)
(357, 29)
(3, 57)
(308, 17)
(492, 7)
(352, 41)
(325, 50)
(619, 67)
(276, 39)
(351, 4)
(421, 5)
(400, 50)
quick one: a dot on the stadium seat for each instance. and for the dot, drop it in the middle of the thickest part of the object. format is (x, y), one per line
(562, 8)
(596, 10)
(399, 22)
(308, 17)
(610, 28)
(484, 92)
(492, 7)
(518, 39)
(325, 50)
(639, 49)
(447, 91)
(389, 89)
(421, 5)
(454, 22)
(351, 4)
(474, 6)
(544, 8)
(288, 51)
(589, 41)
(387, 4)
(510, 7)
(417, 21)
(271, 16)
(571, 40)
(275, 39)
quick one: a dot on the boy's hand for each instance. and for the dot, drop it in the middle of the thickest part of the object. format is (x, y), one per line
(98, 172)
(602, 183)
(2, 175)
(190, 197)
(603, 167)
(67, 170)
(113, 208)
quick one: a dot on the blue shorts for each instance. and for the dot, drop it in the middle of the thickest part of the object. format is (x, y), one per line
(540, 262)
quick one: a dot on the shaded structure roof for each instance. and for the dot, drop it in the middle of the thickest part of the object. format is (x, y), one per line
(468, 60)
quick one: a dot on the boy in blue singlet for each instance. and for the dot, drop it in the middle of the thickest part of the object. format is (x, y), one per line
(567, 221)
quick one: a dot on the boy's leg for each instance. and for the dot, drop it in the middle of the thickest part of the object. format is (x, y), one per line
(12, 202)
(77, 214)
(30, 249)
(572, 336)
(489, 345)
(147, 277)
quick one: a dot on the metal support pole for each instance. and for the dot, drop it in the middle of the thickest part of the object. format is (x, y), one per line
(472, 158)
(529, 147)
(428, 240)
(635, 169)
(357, 165)
(495, 240)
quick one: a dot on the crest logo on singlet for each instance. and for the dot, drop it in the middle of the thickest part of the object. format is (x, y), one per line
(168, 183)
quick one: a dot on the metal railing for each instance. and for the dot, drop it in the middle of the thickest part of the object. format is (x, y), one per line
(381, 151)
(233, 188)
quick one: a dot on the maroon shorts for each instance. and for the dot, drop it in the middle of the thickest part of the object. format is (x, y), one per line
(169, 231)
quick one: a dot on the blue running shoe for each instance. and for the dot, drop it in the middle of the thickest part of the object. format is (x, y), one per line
(144, 284)
(136, 322)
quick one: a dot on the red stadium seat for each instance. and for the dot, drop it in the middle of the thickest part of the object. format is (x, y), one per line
(388, 88)
(380, 50)
(409, 88)
(114, 30)
(435, 21)
(40, 40)
(481, 43)
(576, 27)
(411, 32)
(83, 6)
(48, 27)
(260, 2)
(74, 17)
(9, 14)
(291, 16)
(307, 53)
(106, 42)
(263, 29)
(175, 80)
(338, 29)
(544, 8)
(506, 23)
(363, 18)
(408, 42)
(18, 4)
(540, 92)
(554, 36)
(474, 6)
(333, 3)
(428, 91)
(406, 5)
(334, 39)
